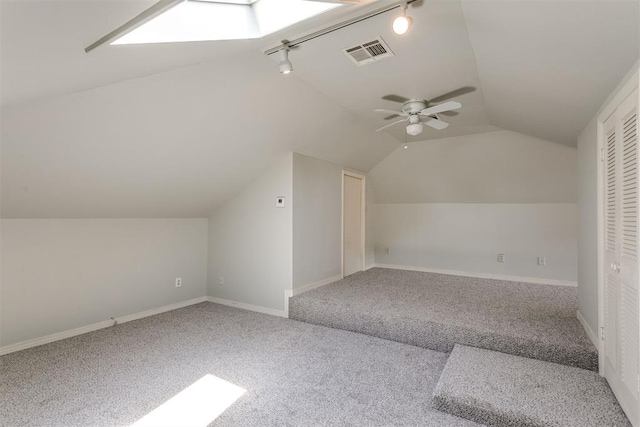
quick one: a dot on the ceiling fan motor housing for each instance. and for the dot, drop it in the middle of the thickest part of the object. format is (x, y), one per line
(414, 106)
(414, 118)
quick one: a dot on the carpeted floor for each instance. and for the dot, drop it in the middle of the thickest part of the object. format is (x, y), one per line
(293, 373)
(503, 390)
(436, 311)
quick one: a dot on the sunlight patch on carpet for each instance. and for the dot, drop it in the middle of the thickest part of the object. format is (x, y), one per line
(195, 406)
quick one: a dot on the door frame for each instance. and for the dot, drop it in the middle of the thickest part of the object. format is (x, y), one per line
(626, 90)
(363, 196)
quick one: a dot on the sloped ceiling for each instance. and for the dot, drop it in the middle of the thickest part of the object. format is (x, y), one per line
(435, 57)
(539, 67)
(42, 47)
(547, 66)
(174, 130)
(176, 144)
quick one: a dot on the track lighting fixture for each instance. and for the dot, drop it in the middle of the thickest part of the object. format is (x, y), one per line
(285, 65)
(402, 23)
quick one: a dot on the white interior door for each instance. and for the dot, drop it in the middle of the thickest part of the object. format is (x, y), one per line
(353, 245)
(622, 243)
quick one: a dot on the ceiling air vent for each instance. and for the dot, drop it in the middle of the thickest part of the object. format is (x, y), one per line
(369, 52)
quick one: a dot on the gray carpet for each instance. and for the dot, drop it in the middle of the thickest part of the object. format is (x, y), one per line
(294, 373)
(436, 311)
(504, 390)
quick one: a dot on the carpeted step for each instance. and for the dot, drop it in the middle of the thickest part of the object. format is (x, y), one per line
(437, 311)
(438, 336)
(500, 389)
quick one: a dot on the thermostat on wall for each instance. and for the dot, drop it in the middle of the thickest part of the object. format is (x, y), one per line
(280, 202)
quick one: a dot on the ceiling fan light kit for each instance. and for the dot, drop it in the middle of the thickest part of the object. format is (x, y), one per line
(414, 129)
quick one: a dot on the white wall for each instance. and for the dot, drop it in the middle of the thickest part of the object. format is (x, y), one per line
(493, 167)
(317, 221)
(468, 237)
(250, 241)
(588, 213)
(61, 274)
(588, 225)
(455, 203)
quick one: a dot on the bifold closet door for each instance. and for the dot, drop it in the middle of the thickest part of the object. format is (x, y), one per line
(621, 252)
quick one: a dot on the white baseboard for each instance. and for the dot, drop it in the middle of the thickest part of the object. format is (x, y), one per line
(369, 267)
(592, 336)
(535, 280)
(153, 311)
(23, 345)
(250, 307)
(315, 285)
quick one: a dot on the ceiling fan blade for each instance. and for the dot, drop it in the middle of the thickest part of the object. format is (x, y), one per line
(458, 92)
(449, 113)
(435, 123)
(393, 116)
(398, 113)
(391, 124)
(395, 98)
(447, 106)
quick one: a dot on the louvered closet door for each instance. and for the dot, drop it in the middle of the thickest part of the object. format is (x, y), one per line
(622, 250)
(612, 243)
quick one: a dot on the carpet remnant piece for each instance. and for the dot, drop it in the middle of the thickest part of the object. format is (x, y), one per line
(436, 311)
(500, 389)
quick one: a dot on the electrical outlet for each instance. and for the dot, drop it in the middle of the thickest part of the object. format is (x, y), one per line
(542, 260)
(500, 257)
(220, 280)
(178, 282)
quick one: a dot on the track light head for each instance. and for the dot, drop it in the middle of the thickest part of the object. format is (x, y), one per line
(285, 65)
(402, 23)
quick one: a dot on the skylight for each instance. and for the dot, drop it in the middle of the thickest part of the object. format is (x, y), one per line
(200, 20)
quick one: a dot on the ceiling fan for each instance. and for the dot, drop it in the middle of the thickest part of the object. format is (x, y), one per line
(418, 112)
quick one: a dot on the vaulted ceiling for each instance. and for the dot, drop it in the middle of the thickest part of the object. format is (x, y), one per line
(177, 129)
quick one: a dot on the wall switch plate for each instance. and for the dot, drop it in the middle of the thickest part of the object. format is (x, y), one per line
(542, 260)
(500, 257)
(220, 280)
(388, 251)
(178, 282)
(280, 202)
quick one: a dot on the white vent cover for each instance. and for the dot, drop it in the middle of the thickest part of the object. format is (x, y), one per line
(366, 53)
